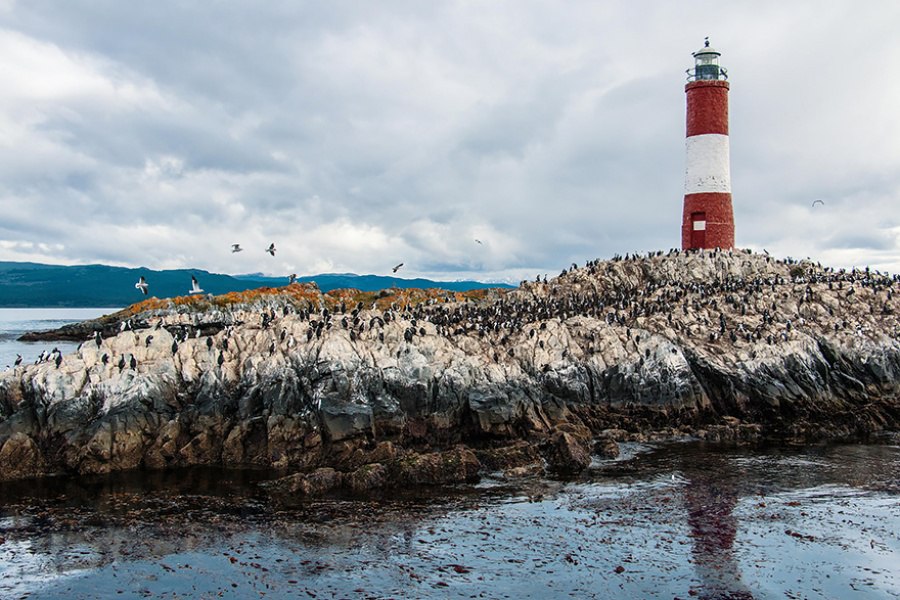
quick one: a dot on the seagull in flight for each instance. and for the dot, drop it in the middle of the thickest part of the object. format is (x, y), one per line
(478, 241)
(195, 286)
(397, 268)
(236, 248)
(822, 202)
(142, 285)
(271, 249)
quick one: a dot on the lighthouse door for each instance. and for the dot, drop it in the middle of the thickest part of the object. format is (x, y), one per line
(698, 230)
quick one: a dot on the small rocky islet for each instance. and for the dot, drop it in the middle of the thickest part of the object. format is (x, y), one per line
(358, 391)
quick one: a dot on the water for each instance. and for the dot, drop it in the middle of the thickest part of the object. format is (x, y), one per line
(670, 521)
(16, 321)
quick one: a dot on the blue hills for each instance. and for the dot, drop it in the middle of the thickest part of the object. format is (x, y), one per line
(24, 284)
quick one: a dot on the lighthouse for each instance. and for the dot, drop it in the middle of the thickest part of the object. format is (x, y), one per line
(708, 219)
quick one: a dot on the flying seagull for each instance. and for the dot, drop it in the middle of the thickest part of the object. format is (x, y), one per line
(142, 285)
(195, 286)
(236, 248)
(478, 241)
(822, 202)
(397, 268)
(271, 249)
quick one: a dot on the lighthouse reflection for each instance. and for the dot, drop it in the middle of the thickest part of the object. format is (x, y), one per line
(711, 493)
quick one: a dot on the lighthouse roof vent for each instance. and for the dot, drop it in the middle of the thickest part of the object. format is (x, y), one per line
(706, 50)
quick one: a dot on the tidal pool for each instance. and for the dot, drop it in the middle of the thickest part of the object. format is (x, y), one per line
(679, 520)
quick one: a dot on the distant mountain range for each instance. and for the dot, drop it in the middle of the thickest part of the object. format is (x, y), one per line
(24, 284)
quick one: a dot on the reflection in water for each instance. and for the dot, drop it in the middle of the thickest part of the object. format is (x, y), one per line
(631, 529)
(710, 496)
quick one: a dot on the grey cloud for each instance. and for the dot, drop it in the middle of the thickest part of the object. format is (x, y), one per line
(353, 133)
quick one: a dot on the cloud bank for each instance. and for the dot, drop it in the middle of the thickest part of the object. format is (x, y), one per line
(359, 135)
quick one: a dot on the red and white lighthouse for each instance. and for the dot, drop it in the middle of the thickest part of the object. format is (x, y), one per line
(708, 219)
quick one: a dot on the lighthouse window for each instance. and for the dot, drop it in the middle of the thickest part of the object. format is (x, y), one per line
(699, 225)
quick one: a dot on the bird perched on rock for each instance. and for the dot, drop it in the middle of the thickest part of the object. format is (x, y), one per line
(195, 286)
(98, 338)
(148, 340)
(221, 359)
(271, 249)
(132, 363)
(292, 278)
(236, 248)
(174, 346)
(18, 360)
(142, 285)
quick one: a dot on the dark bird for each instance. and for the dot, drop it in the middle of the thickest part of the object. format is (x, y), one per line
(132, 363)
(174, 346)
(478, 241)
(98, 338)
(121, 363)
(292, 278)
(147, 342)
(221, 359)
(195, 286)
(271, 249)
(819, 202)
(142, 285)
(18, 360)
(397, 268)
(58, 360)
(105, 358)
(236, 248)
(209, 343)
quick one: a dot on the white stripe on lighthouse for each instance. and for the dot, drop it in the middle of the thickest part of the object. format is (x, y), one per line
(707, 164)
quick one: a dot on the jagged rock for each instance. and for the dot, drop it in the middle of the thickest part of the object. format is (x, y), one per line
(320, 481)
(367, 477)
(727, 346)
(20, 457)
(606, 447)
(566, 453)
(458, 465)
(509, 457)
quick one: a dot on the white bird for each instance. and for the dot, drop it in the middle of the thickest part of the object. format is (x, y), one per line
(236, 248)
(142, 285)
(271, 249)
(195, 286)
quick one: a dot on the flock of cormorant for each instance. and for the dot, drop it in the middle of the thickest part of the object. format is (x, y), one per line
(623, 292)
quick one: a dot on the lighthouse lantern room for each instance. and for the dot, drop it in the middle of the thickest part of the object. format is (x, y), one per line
(707, 218)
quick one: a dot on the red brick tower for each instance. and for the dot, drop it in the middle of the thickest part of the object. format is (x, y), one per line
(708, 219)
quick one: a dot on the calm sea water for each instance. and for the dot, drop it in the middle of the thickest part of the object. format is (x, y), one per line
(16, 321)
(670, 521)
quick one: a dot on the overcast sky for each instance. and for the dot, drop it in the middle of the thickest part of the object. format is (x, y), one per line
(357, 135)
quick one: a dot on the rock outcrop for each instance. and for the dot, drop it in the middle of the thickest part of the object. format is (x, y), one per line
(355, 391)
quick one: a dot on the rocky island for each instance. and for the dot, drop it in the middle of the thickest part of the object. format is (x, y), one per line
(355, 391)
